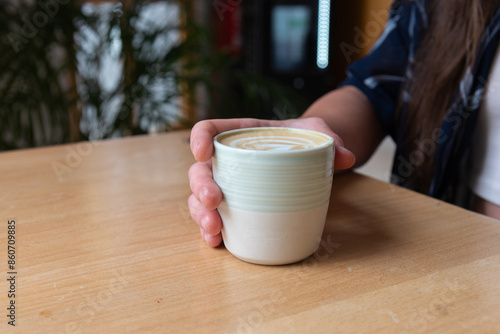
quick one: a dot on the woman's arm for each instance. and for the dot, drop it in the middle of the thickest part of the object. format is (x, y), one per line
(350, 115)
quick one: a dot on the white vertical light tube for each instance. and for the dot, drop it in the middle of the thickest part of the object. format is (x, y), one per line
(323, 33)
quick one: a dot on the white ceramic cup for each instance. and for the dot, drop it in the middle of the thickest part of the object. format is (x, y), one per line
(276, 185)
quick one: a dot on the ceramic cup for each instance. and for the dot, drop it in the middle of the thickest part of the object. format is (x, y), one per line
(276, 185)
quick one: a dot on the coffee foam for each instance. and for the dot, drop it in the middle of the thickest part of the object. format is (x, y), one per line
(273, 139)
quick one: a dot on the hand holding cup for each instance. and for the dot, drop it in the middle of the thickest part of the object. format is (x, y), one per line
(207, 196)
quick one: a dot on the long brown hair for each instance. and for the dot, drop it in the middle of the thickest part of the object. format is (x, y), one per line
(448, 48)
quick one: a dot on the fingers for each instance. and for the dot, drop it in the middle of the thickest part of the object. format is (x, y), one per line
(203, 185)
(202, 136)
(203, 133)
(209, 221)
(203, 202)
(211, 240)
(344, 159)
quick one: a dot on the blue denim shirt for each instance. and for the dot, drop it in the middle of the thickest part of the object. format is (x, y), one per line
(380, 76)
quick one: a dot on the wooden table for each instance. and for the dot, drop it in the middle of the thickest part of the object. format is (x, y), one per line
(105, 244)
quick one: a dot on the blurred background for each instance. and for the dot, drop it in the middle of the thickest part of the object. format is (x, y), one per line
(90, 70)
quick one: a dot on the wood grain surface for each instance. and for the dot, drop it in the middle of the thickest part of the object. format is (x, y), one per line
(105, 244)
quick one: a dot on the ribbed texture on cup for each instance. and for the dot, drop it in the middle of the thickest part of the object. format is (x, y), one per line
(265, 181)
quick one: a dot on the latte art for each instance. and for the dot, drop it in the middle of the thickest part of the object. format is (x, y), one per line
(273, 143)
(273, 139)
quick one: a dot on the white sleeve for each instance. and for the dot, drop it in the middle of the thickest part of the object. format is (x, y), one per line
(485, 176)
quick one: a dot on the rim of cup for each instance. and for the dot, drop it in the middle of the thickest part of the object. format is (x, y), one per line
(330, 141)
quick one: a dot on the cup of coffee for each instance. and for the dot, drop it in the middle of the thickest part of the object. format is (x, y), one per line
(276, 185)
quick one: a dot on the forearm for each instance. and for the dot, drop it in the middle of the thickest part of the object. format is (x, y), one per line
(349, 114)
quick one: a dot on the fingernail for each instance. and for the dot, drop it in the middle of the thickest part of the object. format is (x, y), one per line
(203, 223)
(343, 149)
(196, 147)
(202, 194)
(203, 234)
